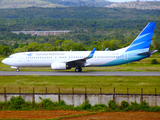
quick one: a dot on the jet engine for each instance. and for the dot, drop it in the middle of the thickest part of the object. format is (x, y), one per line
(58, 66)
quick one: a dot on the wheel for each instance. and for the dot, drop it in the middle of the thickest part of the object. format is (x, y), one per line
(17, 70)
(78, 69)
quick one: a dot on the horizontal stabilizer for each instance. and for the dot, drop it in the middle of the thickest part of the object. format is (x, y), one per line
(148, 53)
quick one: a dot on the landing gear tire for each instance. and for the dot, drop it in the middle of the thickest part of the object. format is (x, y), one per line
(78, 69)
(17, 70)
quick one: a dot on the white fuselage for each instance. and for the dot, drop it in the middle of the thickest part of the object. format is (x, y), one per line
(45, 59)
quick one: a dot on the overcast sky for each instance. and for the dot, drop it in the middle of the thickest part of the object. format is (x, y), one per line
(130, 0)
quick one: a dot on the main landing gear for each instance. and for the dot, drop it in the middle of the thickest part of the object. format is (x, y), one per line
(78, 69)
(17, 70)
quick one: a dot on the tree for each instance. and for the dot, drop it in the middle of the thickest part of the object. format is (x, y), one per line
(51, 41)
(96, 44)
(157, 46)
(19, 50)
(78, 47)
(58, 43)
(45, 47)
(67, 45)
(33, 46)
(6, 50)
(106, 44)
(15, 45)
(115, 44)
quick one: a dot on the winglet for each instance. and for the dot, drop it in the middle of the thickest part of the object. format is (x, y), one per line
(106, 49)
(91, 54)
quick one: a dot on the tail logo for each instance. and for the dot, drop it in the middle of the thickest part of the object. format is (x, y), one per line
(143, 40)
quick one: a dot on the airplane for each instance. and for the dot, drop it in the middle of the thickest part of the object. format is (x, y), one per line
(62, 60)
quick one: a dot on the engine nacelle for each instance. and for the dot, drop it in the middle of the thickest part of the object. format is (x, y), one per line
(58, 66)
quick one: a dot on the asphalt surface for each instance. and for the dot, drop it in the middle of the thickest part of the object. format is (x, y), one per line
(85, 73)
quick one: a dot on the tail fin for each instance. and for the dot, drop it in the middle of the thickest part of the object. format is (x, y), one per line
(143, 40)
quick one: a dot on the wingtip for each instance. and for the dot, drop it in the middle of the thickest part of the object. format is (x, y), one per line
(92, 53)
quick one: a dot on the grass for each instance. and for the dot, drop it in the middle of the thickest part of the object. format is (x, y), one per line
(92, 83)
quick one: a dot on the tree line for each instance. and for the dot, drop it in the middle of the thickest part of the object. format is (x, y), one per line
(83, 13)
(66, 45)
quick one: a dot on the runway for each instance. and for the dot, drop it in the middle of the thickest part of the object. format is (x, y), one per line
(85, 73)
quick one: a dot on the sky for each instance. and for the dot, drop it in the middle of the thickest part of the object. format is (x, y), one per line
(130, 0)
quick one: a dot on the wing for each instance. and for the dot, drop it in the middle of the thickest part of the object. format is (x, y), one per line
(80, 62)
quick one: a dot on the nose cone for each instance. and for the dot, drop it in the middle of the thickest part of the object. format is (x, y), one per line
(5, 61)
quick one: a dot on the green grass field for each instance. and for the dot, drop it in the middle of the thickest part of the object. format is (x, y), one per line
(92, 83)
